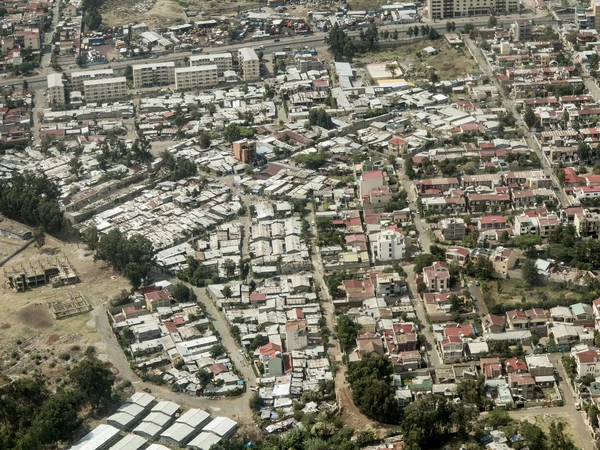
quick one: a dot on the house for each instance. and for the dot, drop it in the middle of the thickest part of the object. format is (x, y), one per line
(375, 179)
(493, 323)
(494, 222)
(453, 228)
(157, 299)
(388, 245)
(491, 367)
(369, 343)
(397, 146)
(521, 385)
(539, 365)
(409, 360)
(437, 277)
(587, 362)
(296, 333)
(460, 255)
(450, 348)
(515, 365)
(503, 260)
(271, 359)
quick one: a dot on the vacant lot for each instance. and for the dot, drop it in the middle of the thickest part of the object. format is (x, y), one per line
(543, 420)
(514, 293)
(31, 337)
(449, 63)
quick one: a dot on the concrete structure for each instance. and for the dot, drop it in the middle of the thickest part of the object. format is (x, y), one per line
(223, 61)
(245, 150)
(249, 64)
(195, 77)
(76, 79)
(453, 229)
(56, 90)
(447, 9)
(437, 277)
(388, 245)
(105, 90)
(296, 335)
(156, 74)
(271, 359)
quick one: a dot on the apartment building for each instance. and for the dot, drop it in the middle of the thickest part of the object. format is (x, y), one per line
(153, 74)
(223, 61)
(56, 90)
(249, 64)
(245, 150)
(76, 79)
(445, 9)
(105, 90)
(195, 77)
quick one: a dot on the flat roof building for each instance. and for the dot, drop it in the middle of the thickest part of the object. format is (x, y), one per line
(76, 79)
(105, 90)
(153, 74)
(249, 64)
(56, 90)
(223, 61)
(195, 77)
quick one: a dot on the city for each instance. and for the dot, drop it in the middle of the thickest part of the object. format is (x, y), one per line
(299, 225)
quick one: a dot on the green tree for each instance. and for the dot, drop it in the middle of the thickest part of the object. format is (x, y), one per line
(529, 116)
(227, 291)
(229, 267)
(93, 381)
(204, 377)
(181, 292)
(217, 350)
(205, 140)
(528, 242)
(530, 273)
(39, 237)
(232, 132)
(492, 21)
(347, 331)
(319, 117)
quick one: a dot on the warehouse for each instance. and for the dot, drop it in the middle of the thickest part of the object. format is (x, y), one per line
(178, 435)
(204, 441)
(157, 447)
(143, 399)
(222, 426)
(148, 430)
(130, 442)
(168, 408)
(126, 416)
(195, 418)
(100, 438)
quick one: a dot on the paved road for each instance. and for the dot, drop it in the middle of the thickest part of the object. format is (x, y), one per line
(477, 294)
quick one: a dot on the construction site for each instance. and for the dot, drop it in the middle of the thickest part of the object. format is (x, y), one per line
(75, 304)
(55, 272)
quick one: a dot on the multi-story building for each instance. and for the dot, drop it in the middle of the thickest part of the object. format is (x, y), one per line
(388, 245)
(453, 229)
(105, 90)
(249, 64)
(444, 9)
(522, 30)
(245, 150)
(223, 61)
(596, 13)
(76, 79)
(296, 335)
(437, 277)
(195, 77)
(56, 90)
(153, 74)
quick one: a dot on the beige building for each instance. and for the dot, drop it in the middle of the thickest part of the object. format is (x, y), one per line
(154, 74)
(76, 79)
(195, 77)
(56, 90)
(223, 61)
(105, 90)
(447, 9)
(249, 64)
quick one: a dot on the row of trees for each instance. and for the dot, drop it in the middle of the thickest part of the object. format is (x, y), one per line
(425, 30)
(31, 416)
(130, 256)
(342, 46)
(32, 199)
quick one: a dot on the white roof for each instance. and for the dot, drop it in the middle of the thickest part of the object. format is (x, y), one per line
(130, 442)
(194, 417)
(178, 432)
(210, 56)
(221, 426)
(105, 81)
(153, 65)
(141, 398)
(97, 438)
(204, 441)
(197, 68)
(157, 447)
(248, 54)
(168, 408)
(55, 80)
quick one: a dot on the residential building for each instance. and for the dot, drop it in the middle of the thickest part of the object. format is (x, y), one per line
(153, 74)
(587, 362)
(397, 146)
(76, 79)
(447, 9)
(249, 64)
(108, 89)
(453, 229)
(450, 348)
(539, 365)
(195, 77)
(491, 367)
(492, 323)
(387, 285)
(374, 179)
(437, 277)
(522, 30)
(56, 90)
(296, 335)
(245, 150)
(388, 245)
(503, 260)
(157, 299)
(460, 255)
(515, 365)
(521, 385)
(223, 61)
(271, 359)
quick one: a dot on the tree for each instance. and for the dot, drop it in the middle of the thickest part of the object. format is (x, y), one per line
(492, 22)
(232, 132)
(448, 27)
(227, 291)
(90, 237)
(347, 331)
(93, 381)
(256, 402)
(410, 32)
(529, 272)
(529, 116)
(217, 350)
(583, 151)
(204, 140)
(311, 161)
(484, 268)
(229, 267)
(92, 19)
(395, 35)
(416, 30)
(433, 34)
(39, 237)
(319, 117)
(204, 377)
(528, 242)
(181, 292)
(592, 413)
(558, 439)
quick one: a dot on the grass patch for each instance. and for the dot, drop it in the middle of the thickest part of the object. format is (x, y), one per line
(502, 295)
(449, 63)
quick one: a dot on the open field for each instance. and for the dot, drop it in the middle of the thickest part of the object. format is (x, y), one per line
(449, 63)
(544, 419)
(32, 338)
(513, 293)
(151, 12)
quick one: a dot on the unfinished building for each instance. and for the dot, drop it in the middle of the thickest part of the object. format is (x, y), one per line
(57, 272)
(75, 304)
